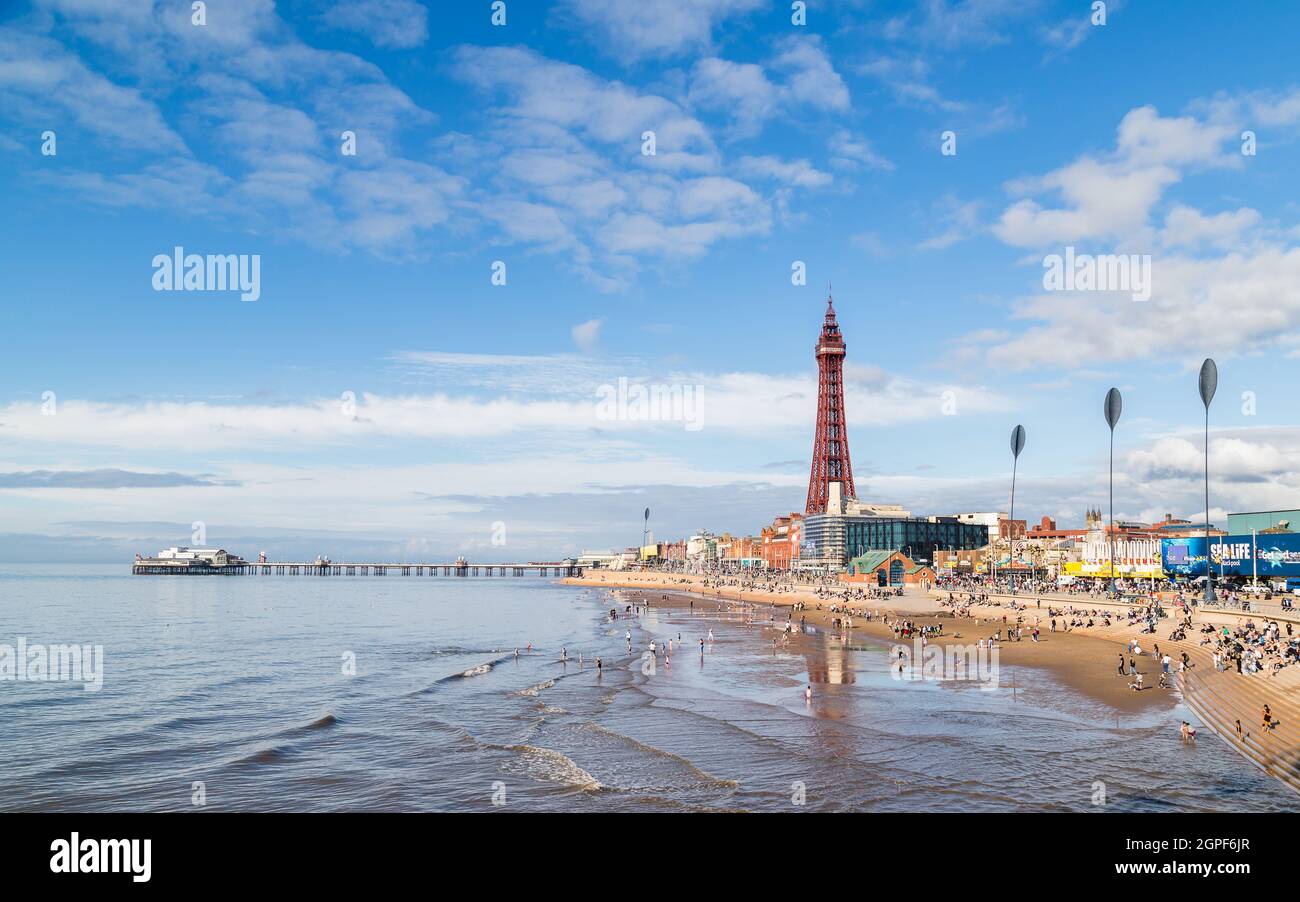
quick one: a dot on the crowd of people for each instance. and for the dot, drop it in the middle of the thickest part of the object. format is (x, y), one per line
(1252, 648)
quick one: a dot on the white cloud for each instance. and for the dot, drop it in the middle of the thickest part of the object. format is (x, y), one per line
(636, 29)
(811, 79)
(1226, 305)
(1249, 292)
(748, 403)
(571, 146)
(849, 151)
(959, 220)
(387, 23)
(274, 105)
(797, 173)
(42, 84)
(1113, 197)
(1190, 228)
(742, 91)
(585, 335)
(958, 23)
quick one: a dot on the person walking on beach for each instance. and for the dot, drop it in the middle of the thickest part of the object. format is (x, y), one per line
(1267, 718)
(1121, 665)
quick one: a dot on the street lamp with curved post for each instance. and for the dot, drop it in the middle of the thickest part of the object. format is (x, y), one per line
(1017, 445)
(1209, 383)
(1113, 407)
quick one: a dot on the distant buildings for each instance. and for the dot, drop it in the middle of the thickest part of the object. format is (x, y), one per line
(865, 541)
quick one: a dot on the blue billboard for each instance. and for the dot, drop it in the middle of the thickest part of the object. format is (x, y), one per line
(1269, 555)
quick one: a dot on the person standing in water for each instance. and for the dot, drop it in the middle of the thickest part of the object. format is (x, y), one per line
(807, 693)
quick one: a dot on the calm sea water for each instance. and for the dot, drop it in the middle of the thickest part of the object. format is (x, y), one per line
(239, 683)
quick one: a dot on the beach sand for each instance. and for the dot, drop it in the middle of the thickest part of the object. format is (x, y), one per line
(1084, 661)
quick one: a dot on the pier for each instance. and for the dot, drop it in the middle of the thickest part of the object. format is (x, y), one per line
(156, 567)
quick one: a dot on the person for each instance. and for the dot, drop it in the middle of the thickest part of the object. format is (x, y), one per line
(1186, 732)
(1267, 717)
(599, 665)
(1137, 683)
(1121, 665)
(807, 693)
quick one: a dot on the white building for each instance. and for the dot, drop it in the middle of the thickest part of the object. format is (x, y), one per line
(599, 560)
(983, 518)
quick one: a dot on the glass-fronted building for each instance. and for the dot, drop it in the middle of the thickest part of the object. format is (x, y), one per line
(831, 540)
(1242, 524)
(918, 539)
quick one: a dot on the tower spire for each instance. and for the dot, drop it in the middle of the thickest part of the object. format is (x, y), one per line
(830, 462)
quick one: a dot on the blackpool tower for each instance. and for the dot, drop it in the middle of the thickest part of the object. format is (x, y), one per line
(830, 460)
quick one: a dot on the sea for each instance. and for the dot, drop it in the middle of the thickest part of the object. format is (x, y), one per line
(446, 694)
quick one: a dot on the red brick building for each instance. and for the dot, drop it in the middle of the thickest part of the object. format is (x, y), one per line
(781, 542)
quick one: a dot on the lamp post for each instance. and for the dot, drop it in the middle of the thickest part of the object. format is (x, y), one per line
(1017, 445)
(1209, 383)
(1113, 408)
(645, 529)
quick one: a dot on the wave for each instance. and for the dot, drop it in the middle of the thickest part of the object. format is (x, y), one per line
(532, 691)
(702, 775)
(556, 767)
(478, 670)
(457, 650)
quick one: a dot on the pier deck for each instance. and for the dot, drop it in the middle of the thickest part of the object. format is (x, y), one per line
(315, 568)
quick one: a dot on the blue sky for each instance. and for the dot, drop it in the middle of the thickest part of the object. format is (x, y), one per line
(476, 404)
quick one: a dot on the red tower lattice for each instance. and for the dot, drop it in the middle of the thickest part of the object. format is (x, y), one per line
(830, 460)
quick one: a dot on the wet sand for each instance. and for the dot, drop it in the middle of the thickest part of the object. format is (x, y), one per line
(1086, 662)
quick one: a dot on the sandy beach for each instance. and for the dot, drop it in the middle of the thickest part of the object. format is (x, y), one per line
(1084, 659)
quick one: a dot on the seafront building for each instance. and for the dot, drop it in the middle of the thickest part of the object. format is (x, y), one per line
(840, 534)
